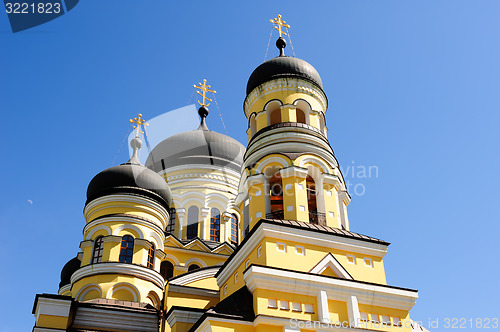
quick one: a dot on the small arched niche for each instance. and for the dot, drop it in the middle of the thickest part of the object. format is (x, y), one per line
(302, 109)
(273, 110)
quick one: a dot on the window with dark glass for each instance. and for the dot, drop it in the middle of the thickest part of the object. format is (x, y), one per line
(126, 249)
(215, 225)
(98, 248)
(192, 227)
(234, 229)
(151, 257)
(167, 270)
(193, 267)
(171, 223)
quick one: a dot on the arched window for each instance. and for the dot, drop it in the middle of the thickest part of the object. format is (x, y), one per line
(314, 217)
(167, 270)
(192, 227)
(126, 249)
(301, 116)
(234, 229)
(193, 267)
(171, 223)
(151, 257)
(215, 225)
(98, 248)
(275, 193)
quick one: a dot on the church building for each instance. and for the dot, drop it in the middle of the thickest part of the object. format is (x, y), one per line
(210, 235)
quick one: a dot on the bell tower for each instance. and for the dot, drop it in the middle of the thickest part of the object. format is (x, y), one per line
(290, 170)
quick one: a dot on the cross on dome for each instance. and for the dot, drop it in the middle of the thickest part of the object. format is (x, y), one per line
(279, 24)
(203, 87)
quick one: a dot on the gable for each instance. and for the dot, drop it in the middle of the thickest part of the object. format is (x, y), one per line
(330, 266)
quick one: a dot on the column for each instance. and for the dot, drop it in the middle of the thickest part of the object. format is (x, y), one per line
(180, 214)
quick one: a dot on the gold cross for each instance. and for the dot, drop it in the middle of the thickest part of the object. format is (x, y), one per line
(280, 23)
(139, 122)
(203, 87)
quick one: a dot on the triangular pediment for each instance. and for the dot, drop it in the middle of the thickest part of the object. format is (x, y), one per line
(330, 266)
(172, 241)
(198, 245)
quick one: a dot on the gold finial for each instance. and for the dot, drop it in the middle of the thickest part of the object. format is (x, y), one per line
(139, 122)
(203, 87)
(280, 23)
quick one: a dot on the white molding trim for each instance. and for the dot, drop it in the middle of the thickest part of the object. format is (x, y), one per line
(126, 199)
(193, 167)
(280, 160)
(64, 289)
(193, 291)
(133, 270)
(258, 277)
(95, 229)
(284, 84)
(183, 316)
(330, 262)
(85, 289)
(194, 276)
(128, 226)
(299, 236)
(195, 260)
(171, 258)
(124, 286)
(52, 307)
(156, 232)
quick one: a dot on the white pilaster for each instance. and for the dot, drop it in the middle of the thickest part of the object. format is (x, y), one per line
(204, 215)
(353, 311)
(323, 307)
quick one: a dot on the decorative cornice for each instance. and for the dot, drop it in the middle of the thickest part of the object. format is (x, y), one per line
(278, 280)
(193, 290)
(183, 315)
(284, 84)
(133, 270)
(194, 276)
(293, 172)
(126, 199)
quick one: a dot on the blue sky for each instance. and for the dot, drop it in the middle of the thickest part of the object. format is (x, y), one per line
(413, 89)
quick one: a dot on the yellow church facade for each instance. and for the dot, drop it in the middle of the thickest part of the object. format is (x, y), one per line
(210, 235)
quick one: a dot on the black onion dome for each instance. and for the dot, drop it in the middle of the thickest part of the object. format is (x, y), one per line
(130, 178)
(197, 147)
(282, 67)
(67, 271)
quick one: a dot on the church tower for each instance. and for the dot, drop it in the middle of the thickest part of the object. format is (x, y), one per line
(290, 168)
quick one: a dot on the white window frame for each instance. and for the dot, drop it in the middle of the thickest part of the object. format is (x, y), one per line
(353, 259)
(303, 253)
(296, 307)
(369, 260)
(272, 303)
(278, 244)
(259, 251)
(236, 277)
(284, 305)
